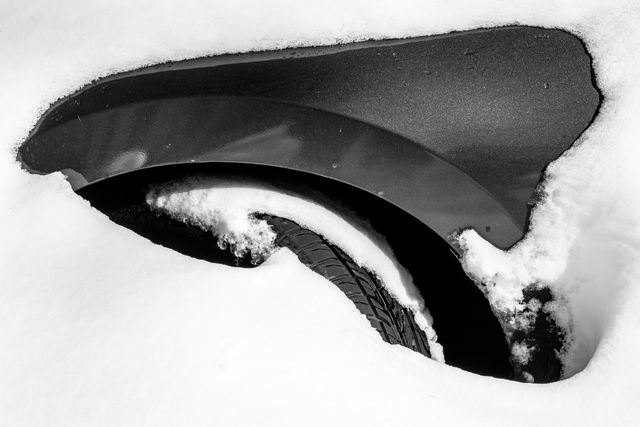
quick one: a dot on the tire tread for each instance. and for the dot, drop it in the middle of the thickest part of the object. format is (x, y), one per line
(394, 322)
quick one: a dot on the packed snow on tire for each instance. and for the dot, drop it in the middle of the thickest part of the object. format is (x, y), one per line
(228, 209)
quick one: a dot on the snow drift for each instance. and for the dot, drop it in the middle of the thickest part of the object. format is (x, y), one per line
(102, 327)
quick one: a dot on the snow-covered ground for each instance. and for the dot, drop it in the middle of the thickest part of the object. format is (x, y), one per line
(101, 327)
(227, 208)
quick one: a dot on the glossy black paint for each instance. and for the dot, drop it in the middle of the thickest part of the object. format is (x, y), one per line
(499, 104)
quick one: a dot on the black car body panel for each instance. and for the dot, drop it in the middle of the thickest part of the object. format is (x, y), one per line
(216, 129)
(454, 129)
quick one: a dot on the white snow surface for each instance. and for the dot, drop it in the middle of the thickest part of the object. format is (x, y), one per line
(101, 327)
(227, 208)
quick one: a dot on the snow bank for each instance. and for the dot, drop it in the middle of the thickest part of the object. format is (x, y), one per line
(583, 240)
(102, 327)
(228, 208)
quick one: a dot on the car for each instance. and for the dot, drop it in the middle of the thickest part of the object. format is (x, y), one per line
(422, 137)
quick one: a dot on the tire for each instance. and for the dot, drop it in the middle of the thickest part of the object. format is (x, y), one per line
(395, 323)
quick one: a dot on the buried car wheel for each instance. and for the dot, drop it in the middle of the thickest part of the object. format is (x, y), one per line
(467, 332)
(132, 201)
(394, 322)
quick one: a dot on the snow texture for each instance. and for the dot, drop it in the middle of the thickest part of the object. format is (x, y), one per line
(233, 225)
(583, 240)
(228, 208)
(101, 327)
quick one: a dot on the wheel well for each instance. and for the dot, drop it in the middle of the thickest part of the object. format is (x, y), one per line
(471, 336)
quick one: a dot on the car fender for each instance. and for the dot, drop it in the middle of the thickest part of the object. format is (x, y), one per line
(455, 129)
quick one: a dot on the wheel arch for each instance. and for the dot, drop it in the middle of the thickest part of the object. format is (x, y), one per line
(246, 131)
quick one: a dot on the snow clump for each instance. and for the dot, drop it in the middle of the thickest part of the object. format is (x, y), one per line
(213, 211)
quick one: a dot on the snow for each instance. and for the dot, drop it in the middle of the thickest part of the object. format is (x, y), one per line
(234, 225)
(521, 352)
(228, 207)
(101, 327)
(583, 241)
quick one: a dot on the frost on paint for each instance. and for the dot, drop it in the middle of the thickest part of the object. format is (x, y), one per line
(229, 208)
